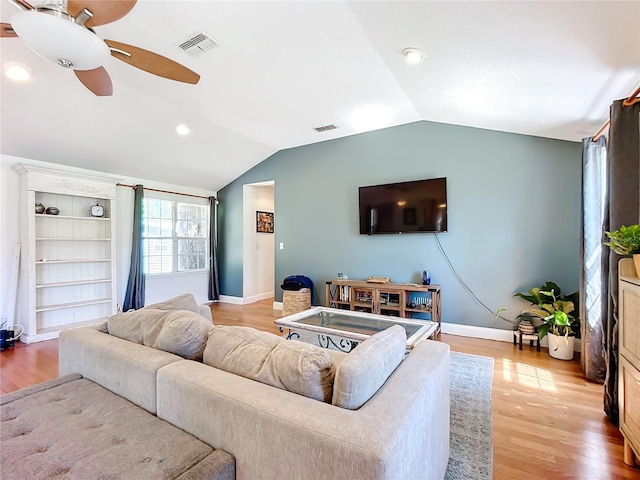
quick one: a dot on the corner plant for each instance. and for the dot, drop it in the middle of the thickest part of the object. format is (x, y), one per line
(554, 309)
(625, 240)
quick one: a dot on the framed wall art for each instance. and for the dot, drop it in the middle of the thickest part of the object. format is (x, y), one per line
(264, 222)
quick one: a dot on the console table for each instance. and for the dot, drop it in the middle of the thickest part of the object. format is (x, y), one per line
(406, 300)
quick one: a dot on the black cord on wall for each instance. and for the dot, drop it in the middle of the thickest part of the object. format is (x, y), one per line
(473, 295)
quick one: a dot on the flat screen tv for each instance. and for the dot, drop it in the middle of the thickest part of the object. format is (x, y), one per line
(406, 207)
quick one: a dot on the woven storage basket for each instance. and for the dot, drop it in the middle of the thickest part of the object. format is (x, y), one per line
(294, 302)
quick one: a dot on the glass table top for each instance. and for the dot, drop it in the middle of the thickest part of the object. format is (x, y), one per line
(355, 325)
(350, 323)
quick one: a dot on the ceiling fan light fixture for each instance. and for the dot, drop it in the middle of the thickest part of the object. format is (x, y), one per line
(183, 128)
(53, 35)
(413, 55)
(18, 72)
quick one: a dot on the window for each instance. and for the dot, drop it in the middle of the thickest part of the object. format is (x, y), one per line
(175, 236)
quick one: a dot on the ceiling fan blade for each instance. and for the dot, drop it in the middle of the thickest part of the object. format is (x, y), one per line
(21, 4)
(96, 80)
(152, 62)
(7, 30)
(104, 11)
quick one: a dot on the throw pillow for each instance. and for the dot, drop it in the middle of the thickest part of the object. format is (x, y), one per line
(185, 301)
(181, 332)
(287, 364)
(367, 367)
(138, 326)
(184, 333)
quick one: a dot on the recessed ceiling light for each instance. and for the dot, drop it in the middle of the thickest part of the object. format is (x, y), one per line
(17, 72)
(183, 128)
(413, 55)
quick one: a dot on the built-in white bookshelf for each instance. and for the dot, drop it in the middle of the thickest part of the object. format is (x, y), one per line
(67, 274)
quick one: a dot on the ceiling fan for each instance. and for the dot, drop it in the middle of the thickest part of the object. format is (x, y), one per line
(61, 31)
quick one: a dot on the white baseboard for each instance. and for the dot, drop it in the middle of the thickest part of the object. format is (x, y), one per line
(232, 300)
(497, 334)
(278, 306)
(245, 300)
(477, 332)
(265, 295)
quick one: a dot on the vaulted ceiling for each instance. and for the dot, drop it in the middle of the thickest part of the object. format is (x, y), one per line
(547, 69)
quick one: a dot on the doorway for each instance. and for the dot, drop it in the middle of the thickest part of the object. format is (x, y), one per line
(259, 252)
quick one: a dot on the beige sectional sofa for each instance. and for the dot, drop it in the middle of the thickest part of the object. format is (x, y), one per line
(402, 432)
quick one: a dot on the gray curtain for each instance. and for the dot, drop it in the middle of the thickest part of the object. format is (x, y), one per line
(594, 285)
(214, 284)
(134, 298)
(623, 209)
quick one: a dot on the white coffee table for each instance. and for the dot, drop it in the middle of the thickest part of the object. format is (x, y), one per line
(345, 329)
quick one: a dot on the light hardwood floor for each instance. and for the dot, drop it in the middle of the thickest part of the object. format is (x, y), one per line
(548, 421)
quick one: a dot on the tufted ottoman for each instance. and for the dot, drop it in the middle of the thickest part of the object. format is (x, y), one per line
(73, 428)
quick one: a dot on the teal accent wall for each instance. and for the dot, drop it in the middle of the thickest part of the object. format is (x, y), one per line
(513, 214)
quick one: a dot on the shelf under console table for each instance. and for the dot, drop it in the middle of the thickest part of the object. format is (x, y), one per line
(405, 300)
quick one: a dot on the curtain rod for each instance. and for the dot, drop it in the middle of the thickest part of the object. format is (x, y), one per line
(166, 191)
(633, 99)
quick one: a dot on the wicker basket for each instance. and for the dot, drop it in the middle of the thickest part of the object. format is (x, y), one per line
(294, 302)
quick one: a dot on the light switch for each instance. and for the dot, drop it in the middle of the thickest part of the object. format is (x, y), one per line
(281, 245)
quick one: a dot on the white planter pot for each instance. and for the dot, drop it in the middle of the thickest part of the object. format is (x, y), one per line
(561, 347)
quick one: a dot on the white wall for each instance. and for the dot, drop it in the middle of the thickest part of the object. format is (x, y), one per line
(158, 288)
(259, 254)
(265, 245)
(9, 230)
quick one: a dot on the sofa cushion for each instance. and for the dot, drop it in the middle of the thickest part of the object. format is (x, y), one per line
(287, 364)
(182, 332)
(361, 374)
(185, 301)
(73, 428)
(185, 334)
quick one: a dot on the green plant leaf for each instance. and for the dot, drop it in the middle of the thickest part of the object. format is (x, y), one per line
(560, 318)
(543, 330)
(564, 306)
(536, 312)
(548, 308)
(551, 286)
(625, 240)
(528, 298)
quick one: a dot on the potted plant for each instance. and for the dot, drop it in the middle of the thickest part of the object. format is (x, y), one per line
(626, 241)
(556, 312)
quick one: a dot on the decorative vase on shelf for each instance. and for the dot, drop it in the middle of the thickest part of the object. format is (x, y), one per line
(39, 208)
(52, 211)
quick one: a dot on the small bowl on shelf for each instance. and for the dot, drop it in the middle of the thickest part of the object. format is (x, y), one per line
(53, 211)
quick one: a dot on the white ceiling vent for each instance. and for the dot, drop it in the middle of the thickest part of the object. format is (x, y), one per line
(196, 43)
(325, 128)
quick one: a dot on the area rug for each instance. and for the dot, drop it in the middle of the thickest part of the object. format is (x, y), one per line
(471, 452)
